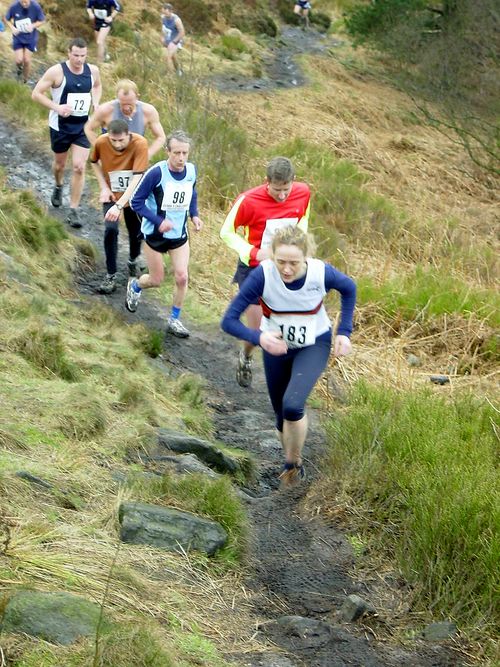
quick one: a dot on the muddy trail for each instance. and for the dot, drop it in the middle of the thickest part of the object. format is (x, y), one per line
(299, 571)
(280, 68)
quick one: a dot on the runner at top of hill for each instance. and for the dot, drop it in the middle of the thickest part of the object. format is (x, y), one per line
(24, 18)
(74, 86)
(295, 332)
(102, 13)
(140, 116)
(302, 8)
(258, 213)
(172, 35)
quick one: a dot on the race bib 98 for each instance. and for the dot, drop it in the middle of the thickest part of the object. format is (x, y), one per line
(177, 196)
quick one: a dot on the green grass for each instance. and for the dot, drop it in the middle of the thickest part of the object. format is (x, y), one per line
(214, 499)
(426, 472)
(344, 208)
(425, 293)
(18, 102)
(230, 47)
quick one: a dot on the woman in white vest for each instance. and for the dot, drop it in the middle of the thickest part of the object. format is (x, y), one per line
(295, 332)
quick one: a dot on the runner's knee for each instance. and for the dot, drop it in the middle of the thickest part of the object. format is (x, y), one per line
(78, 168)
(293, 408)
(181, 277)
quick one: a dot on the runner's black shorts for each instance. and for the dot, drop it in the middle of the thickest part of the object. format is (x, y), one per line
(241, 273)
(61, 142)
(163, 245)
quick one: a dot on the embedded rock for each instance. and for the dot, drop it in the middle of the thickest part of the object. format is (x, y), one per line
(169, 528)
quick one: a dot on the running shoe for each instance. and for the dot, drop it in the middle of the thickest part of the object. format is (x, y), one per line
(108, 285)
(244, 370)
(175, 327)
(73, 218)
(57, 194)
(292, 474)
(132, 299)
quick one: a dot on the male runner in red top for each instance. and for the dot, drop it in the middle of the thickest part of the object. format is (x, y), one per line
(258, 213)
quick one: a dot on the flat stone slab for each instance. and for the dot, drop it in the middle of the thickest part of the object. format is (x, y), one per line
(59, 618)
(204, 450)
(170, 529)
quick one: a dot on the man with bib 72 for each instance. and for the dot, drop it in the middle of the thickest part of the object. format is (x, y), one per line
(74, 86)
(295, 333)
(165, 198)
(119, 158)
(258, 213)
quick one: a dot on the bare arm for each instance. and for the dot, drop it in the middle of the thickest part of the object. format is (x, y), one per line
(96, 91)
(98, 120)
(12, 26)
(154, 124)
(50, 80)
(106, 194)
(180, 27)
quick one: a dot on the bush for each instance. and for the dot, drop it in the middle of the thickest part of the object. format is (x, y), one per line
(70, 20)
(285, 10)
(257, 24)
(321, 20)
(230, 47)
(45, 349)
(197, 16)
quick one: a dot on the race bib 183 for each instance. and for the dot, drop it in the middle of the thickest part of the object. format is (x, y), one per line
(296, 330)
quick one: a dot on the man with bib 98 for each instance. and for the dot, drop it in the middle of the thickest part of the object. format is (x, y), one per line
(259, 213)
(165, 198)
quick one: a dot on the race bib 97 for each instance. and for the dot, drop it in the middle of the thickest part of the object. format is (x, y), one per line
(120, 180)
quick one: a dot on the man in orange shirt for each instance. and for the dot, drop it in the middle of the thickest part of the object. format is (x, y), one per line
(119, 158)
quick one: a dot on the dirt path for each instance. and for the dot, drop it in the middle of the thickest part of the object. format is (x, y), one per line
(281, 68)
(297, 566)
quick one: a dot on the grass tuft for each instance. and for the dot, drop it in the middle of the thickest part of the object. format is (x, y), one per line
(44, 347)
